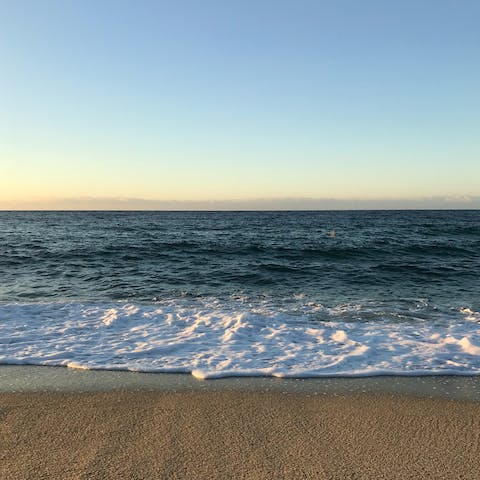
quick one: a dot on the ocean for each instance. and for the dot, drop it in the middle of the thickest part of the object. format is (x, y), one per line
(215, 294)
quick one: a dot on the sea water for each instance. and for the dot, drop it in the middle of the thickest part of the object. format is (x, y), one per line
(288, 294)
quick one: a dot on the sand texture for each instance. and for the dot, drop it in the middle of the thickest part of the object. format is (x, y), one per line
(236, 435)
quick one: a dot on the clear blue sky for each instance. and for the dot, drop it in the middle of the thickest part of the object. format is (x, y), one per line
(209, 100)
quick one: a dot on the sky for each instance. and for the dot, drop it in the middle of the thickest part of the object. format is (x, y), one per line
(255, 103)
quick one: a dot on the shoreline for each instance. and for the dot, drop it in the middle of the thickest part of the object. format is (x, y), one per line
(28, 378)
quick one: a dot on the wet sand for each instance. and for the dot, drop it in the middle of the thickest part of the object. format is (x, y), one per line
(235, 435)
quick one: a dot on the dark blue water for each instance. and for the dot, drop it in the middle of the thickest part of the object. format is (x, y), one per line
(147, 256)
(259, 293)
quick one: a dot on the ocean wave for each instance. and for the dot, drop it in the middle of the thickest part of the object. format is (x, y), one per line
(215, 338)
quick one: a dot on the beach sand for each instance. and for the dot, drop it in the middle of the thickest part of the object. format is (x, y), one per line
(236, 435)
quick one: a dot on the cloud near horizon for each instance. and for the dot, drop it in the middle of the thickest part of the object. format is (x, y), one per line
(111, 203)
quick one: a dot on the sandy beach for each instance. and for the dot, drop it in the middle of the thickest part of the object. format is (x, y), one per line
(222, 434)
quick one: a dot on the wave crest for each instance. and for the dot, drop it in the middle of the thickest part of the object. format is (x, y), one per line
(215, 339)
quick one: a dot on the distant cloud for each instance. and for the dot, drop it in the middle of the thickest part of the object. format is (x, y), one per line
(92, 203)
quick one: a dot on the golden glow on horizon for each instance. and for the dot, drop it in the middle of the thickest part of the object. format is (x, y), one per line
(45, 177)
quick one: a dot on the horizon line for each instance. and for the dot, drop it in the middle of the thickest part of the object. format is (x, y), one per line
(78, 210)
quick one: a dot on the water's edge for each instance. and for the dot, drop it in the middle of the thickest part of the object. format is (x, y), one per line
(26, 378)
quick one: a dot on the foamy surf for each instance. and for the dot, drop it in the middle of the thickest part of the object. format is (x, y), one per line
(211, 339)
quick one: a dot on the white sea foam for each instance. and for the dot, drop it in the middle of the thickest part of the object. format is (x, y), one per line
(212, 339)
